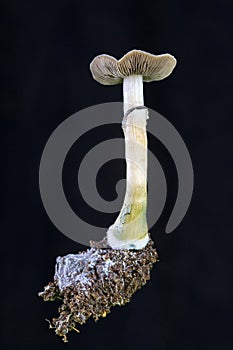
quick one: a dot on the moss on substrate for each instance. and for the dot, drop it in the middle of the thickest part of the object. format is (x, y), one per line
(91, 282)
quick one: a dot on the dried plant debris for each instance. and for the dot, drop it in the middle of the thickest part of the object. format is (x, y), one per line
(91, 282)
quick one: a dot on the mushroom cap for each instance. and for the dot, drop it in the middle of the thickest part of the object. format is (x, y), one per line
(107, 70)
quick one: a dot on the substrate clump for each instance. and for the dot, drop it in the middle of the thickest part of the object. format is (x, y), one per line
(91, 282)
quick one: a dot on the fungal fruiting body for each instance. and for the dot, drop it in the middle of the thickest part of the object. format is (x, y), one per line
(89, 283)
(130, 229)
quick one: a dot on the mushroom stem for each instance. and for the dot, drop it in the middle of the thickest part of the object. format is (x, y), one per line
(130, 230)
(133, 92)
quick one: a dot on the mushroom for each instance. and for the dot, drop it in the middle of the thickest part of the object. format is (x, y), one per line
(130, 230)
(90, 283)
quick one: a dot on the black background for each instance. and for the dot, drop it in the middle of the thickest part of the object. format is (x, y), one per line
(46, 48)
